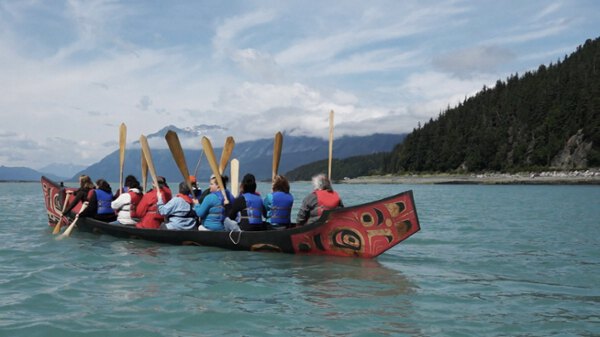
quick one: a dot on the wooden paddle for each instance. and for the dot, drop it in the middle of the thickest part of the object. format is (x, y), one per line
(234, 172)
(226, 153)
(59, 224)
(72, 225)
(144, 165)
(198, 164)
(178, 156)
(277, 153)
(148, 155)
(330, 142)
(122, 141)
(212, 161)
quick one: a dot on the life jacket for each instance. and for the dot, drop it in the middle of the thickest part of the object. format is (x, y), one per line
(104, 199)
(190, 213)
(326, 200)
(253, 208)
(135, 199)
(218, 212)
(281, 208)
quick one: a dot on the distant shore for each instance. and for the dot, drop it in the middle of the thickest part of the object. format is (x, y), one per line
(582, 177)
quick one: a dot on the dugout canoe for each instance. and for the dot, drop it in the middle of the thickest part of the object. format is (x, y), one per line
(363, 231)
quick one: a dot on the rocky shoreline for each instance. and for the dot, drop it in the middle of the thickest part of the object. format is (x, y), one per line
(580, 177)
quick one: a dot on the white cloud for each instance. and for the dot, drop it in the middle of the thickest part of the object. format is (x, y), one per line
(72, 71)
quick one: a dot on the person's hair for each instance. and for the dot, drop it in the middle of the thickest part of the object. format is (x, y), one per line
(132, 182)
(281, 184)
(321, 182)
(85, 182)
(224, 179)
(103, 185)
(162, 182)
(184, 189)
(249, 183)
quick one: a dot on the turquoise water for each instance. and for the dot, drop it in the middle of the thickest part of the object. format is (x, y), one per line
(489, 261)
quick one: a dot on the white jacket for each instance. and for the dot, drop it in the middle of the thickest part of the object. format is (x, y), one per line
(123, 205)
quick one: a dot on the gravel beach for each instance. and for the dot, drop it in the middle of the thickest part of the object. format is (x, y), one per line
(591, 177)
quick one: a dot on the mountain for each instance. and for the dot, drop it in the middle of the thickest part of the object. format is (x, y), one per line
(22, 174)
(61, 170)
(189, 132)
(350, 167)
(254, 156)
(545, 119)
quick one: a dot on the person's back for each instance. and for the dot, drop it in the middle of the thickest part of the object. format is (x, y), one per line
(322, 198)
(127, 201)
(83, 194)
(248, 208)
(147, 209)
(178, 211)
(278, 204)
(103, 199)
(212, 210)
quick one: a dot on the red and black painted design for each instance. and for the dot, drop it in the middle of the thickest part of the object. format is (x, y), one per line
(364, 231)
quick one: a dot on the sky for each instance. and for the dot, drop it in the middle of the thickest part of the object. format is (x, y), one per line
(72, 71)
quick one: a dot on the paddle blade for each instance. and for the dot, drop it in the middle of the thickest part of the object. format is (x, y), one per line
(178, 155)
(227, 150)
(212, 161)
(57, 227)
(278, 143)
(330, 142)
(148, 155)
(72, 225)
(235, 176)
(122, 142)
(59, 224)
(144, 166)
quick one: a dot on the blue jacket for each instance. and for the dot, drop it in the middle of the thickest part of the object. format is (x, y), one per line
(178, 211)
(279, 207)
(254, 207)
(212, 211)
(104, 199)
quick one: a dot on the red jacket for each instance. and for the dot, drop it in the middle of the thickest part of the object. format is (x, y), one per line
(147, 211)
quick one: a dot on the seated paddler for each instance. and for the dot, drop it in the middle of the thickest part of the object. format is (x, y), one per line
(211, 210)
(247, 209)
(178, 212)
(322, 198)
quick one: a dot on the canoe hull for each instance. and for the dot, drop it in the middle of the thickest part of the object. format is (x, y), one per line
(364, 231)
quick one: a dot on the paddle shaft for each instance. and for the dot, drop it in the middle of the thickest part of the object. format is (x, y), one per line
(330, 143)
(212, 161)
(122, 141)
(198, 164)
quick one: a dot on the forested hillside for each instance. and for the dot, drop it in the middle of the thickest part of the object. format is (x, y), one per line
(549, 118)
(350, 167)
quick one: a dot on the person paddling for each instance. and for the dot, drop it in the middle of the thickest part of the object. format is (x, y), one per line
(84, 193)
(278, 204)
(248, 207)
(178, 211)
(147, 209)
(103, 197)
(322, 198)
(127, 201)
